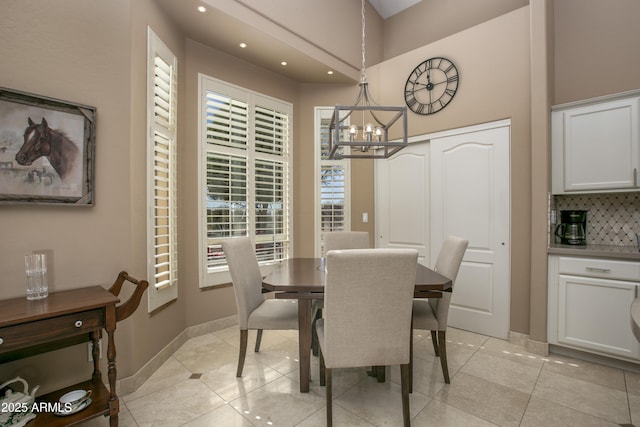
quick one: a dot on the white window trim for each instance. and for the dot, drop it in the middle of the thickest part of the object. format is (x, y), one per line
(319, 114)
(157, 296)
(221, 275)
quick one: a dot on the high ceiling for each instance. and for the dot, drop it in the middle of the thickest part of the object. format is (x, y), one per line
(219, 29)
(387, 8)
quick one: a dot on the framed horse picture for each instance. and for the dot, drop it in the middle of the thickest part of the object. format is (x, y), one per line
(47, 150)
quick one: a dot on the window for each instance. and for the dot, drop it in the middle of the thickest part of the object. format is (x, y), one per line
(333, 201)
(244, 171)
(161, 173)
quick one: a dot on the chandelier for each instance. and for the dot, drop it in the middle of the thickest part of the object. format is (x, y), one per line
(361, 131)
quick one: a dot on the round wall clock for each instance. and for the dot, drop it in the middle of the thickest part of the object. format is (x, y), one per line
(431, 86)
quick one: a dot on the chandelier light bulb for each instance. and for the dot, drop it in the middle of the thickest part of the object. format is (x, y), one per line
(368, 131)
(353, 132)
(378, 133)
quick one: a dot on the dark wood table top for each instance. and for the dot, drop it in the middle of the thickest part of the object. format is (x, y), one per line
(20, 310)
(306, 276)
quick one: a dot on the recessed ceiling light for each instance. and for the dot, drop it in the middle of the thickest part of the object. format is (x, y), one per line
(202, 9)
(243, 45)
(330, 72)
(283, 63)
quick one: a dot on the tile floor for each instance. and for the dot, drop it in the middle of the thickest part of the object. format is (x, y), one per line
(493, 383)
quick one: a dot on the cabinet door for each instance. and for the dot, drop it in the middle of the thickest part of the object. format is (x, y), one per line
(593, 314)
(596, 147)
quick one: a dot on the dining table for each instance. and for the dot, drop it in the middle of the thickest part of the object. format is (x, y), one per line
(303, 279)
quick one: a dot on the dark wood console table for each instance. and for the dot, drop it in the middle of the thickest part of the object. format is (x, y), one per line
(63, 319)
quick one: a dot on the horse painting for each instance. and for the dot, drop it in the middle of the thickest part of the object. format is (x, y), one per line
(40, 140)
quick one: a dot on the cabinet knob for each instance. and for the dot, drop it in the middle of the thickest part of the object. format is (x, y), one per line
(78, 323)
(1, 340)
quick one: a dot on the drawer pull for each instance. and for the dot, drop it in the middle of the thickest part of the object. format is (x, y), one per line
(599, 270)
(78, 323)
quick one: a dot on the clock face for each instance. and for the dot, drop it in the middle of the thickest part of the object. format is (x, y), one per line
(431, 86)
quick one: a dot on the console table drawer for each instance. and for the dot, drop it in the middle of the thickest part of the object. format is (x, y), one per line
(43, 331)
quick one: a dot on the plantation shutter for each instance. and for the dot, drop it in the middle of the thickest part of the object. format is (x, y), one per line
(227, 208)
(332, 185)
(271, 130)
(246, 162)
(162, 197)
(332, 188)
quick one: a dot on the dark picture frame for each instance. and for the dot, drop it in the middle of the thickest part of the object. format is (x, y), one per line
(47, 149)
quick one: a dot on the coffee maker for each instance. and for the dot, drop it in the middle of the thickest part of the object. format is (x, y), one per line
(572, 227)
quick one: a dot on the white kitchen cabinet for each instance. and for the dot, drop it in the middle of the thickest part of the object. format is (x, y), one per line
(589, 305)
(596, 145)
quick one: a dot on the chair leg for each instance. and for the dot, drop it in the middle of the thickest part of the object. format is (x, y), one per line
(258, 340)
(411, 359)
(405, 381)
(322, 370)
(244, 337)
(314, 334)
(434, 339)
(442, 343)
(329, 398)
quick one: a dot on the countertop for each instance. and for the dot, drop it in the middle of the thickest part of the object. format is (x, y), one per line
(597, 251)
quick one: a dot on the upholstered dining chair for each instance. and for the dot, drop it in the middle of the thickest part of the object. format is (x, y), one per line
(367, 317)
(332, 240)
(254, 311)
(432, 314)
(345, 240)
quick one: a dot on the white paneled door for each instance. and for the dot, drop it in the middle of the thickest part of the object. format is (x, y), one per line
(455, 182)
(402, 201)
(470, 198)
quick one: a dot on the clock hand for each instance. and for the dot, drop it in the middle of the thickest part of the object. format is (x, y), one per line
(428, 86)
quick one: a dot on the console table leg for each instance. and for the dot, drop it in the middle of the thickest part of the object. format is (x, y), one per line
(114, 403)
(95, 354)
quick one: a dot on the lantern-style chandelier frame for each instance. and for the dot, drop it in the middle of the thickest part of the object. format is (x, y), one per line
(361, 131)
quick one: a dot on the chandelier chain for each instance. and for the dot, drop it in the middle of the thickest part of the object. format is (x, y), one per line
(363, 74)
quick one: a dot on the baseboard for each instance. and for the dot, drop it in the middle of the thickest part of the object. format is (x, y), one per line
(596, 358)
(536, 347)
(130, 384)
(546, 349)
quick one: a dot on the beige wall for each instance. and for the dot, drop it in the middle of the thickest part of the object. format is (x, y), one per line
(541, 95)
(596, 48)
(430, 20)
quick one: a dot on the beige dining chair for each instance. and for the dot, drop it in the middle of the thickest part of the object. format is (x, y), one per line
(333, 240)
(432, 314)
(367, 317)
(254, 311)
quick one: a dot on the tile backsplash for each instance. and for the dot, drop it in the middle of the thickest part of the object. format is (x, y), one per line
(613, 218)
